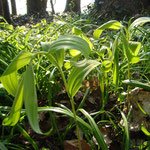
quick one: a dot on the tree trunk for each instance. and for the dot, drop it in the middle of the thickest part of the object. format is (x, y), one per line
(52, 6)
(6, 12)
(13, 7)
(73, 5)
(1, 8)
(36, 6)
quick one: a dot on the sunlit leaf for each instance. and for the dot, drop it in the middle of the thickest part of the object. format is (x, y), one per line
(145, 131)
(9, 78)
(10, 82)
(74, 52)
(76, 31)
(135, 47)
(67, 65)
(14, 115)
(113, 24)
(107, 65)
(131, 58)
(22, 59)
(116, 62)
(69, 42)
(139, 21)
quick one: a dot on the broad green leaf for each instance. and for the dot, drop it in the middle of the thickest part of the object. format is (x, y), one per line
(76, 31)
(22, 59)
(74, 52)
(79, 32)
(131, 58)
(59, 57)
(88, 41)
(96, 132)
(79, 72)
(14, 116)
(113, 24)
(9, 78)
(139, 21)
(135, 47)
(30, 99)
(10, 82)
(52, 59)
(68, 42)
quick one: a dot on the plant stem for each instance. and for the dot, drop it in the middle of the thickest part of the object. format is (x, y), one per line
(128, 86)
(73, 108)
(75, 119)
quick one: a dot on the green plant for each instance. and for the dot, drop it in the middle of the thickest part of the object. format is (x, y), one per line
(23, 88)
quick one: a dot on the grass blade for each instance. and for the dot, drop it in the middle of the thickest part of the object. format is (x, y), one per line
(96, 132)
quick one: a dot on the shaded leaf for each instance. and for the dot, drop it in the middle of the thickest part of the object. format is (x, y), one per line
(96, 132)
(79, 72)
(30, 99)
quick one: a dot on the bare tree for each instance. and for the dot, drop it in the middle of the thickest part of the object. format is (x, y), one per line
(73, 5)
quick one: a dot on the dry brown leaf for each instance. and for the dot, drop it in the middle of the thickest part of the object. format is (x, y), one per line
(73, 145)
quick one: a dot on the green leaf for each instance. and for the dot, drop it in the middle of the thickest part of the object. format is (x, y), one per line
(66, 112)
(107, 65)
(2, 146)
(79, 72)
(9, 78)
(22, 59)
(10, 82)
(131, 58)
(59, 57)
(113, 24)
(96, 132)
(116, 63)
(68, 42)
(27, 136)
(137, 84)
(127, 135)
(139, 21)
(30, 99)
(145, 131)
(74, 52)
(134, 47)
(14, 116)
(76, 31)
